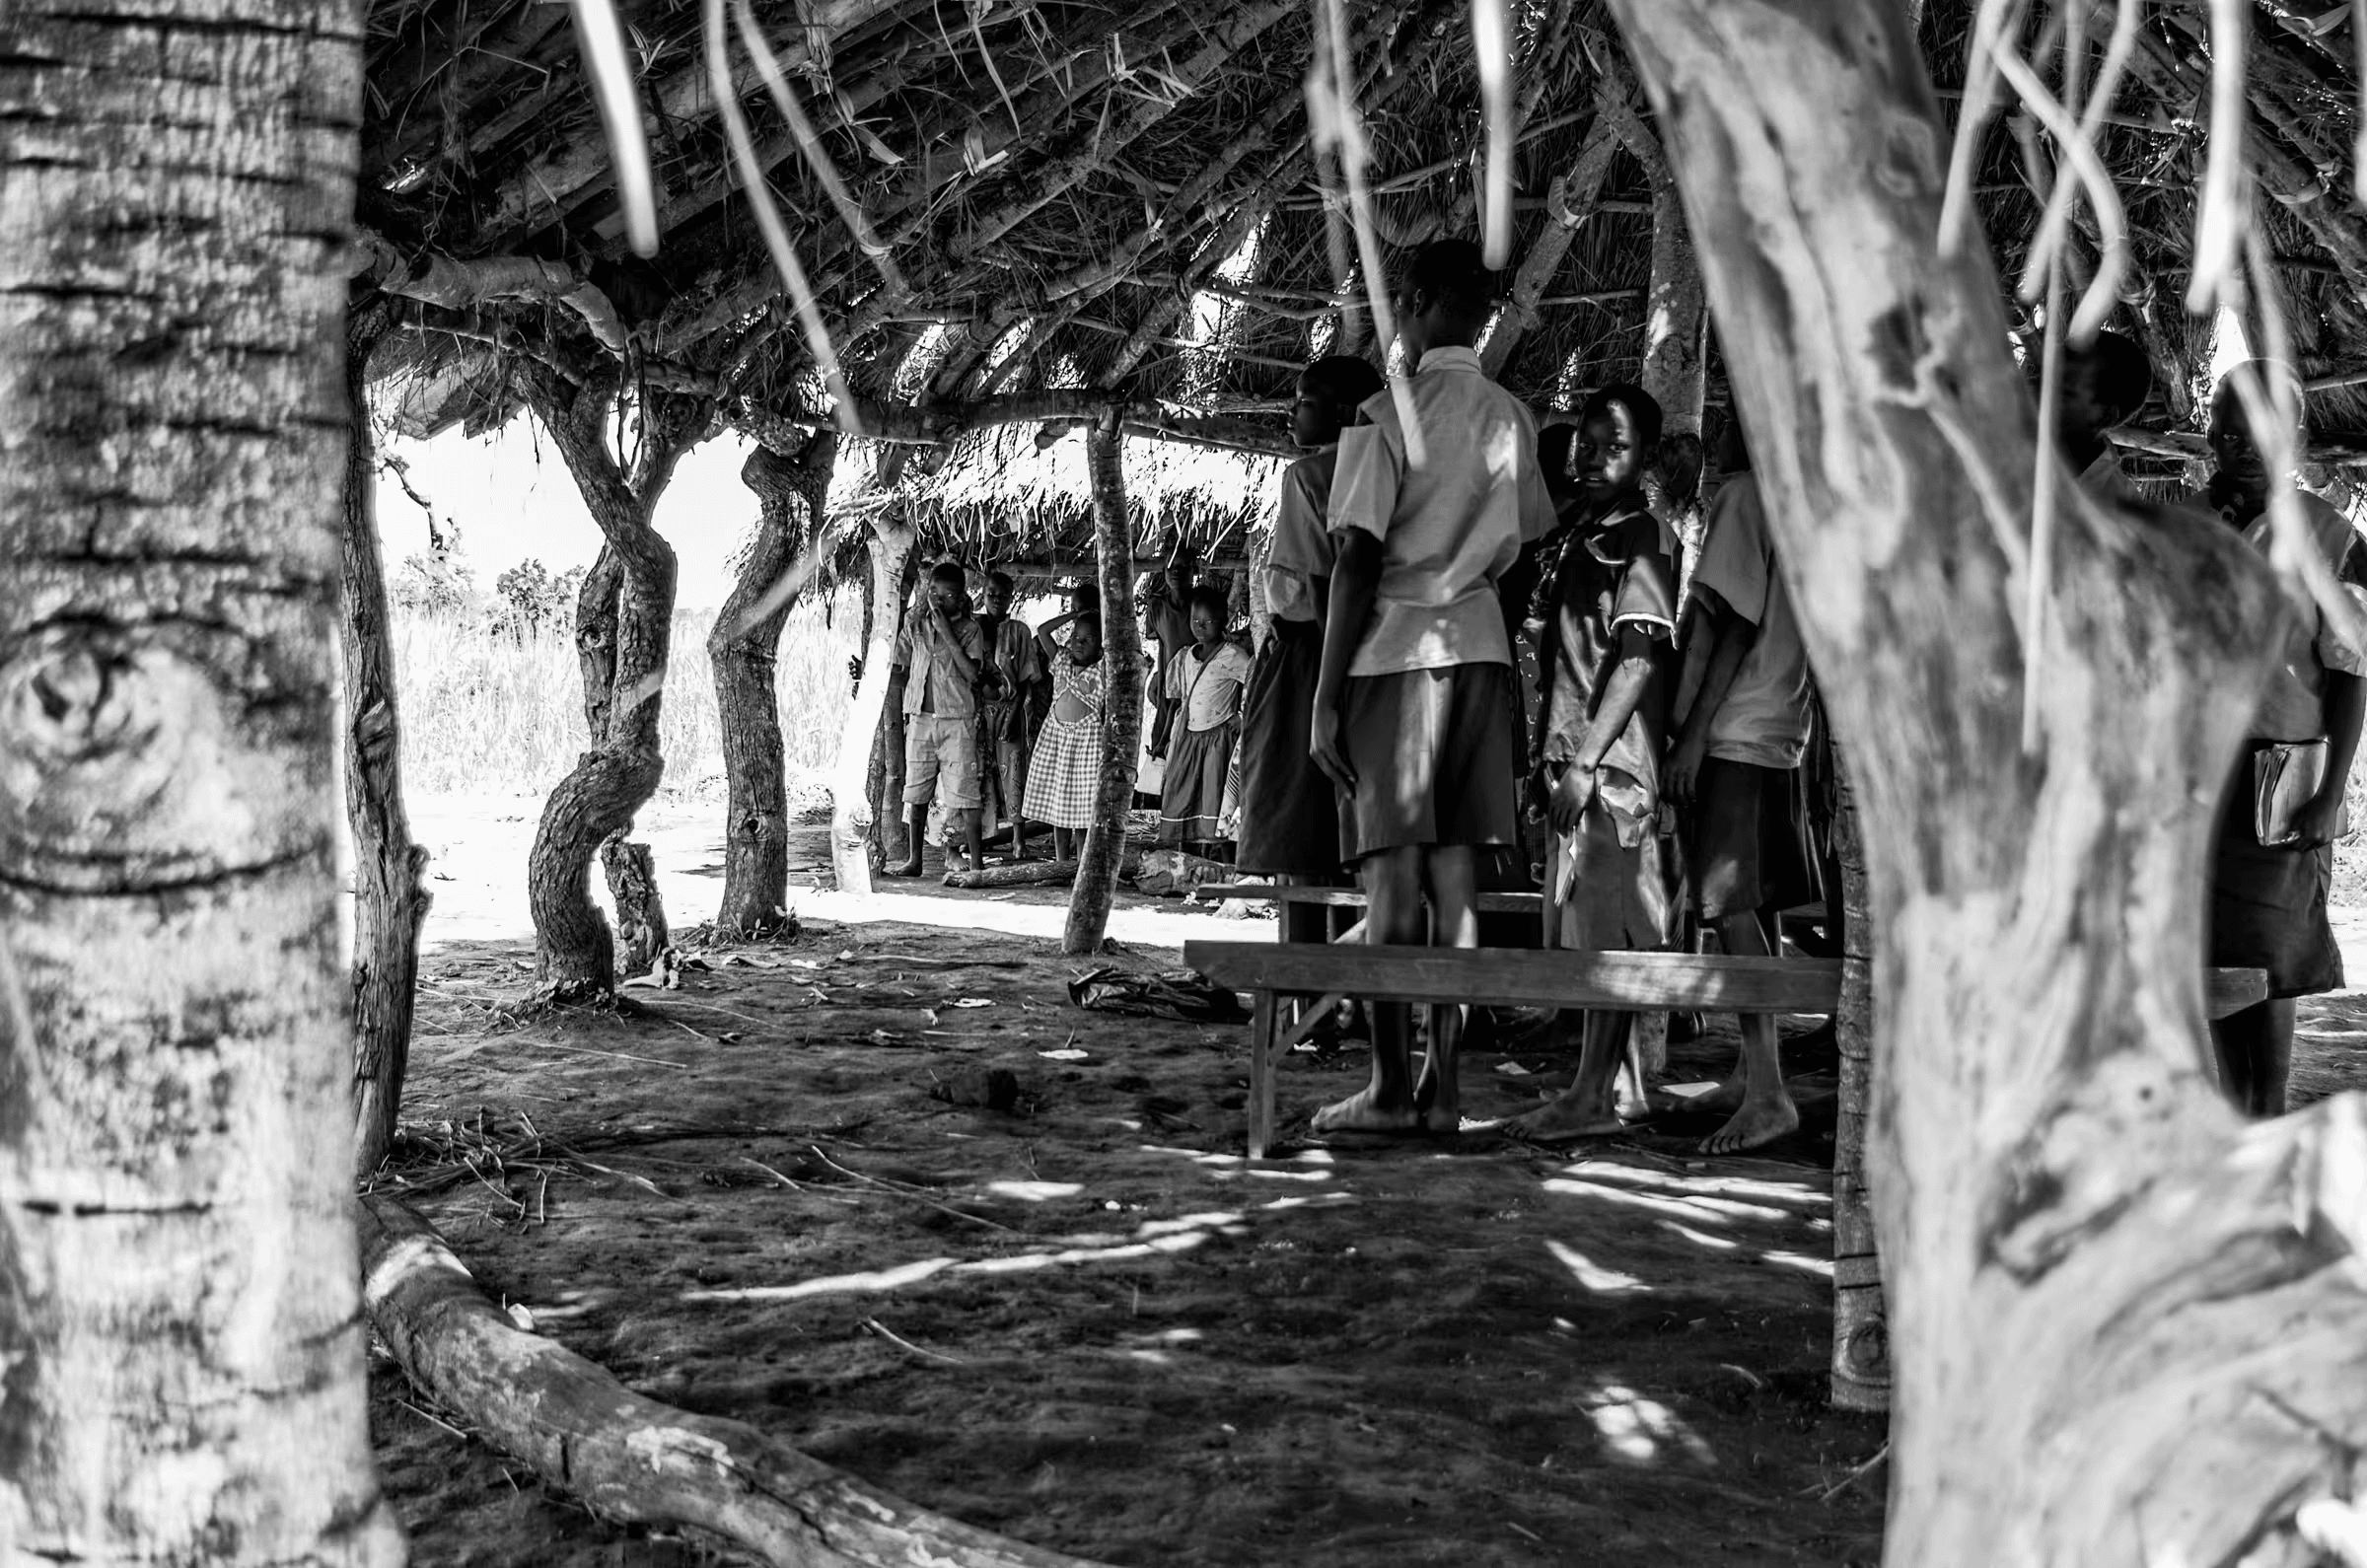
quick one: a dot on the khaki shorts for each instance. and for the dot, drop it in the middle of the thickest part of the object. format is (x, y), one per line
(941, 761)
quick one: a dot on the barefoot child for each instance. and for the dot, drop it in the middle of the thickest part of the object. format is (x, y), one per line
(1746, 707)
(1204, 679)
(1289, 812)
(1413, 696)
(1009, 671)
(1066, 773)
(1606, 602)
(944, 649)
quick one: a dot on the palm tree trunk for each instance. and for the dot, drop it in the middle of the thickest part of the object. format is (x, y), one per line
(1095, 886)
(178, 1303)
(390, 896)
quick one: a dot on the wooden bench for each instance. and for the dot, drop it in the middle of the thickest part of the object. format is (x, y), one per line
(1514, 977)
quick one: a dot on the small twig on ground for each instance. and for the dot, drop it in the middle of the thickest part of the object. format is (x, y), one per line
(902, 1190)
(433, 1420)
(894, 1339)
(1854, 1476)
(586, 1050)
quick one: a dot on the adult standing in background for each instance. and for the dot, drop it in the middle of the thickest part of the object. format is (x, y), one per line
(1011, 670)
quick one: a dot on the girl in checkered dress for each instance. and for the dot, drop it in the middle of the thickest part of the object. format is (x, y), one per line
(1065, 773)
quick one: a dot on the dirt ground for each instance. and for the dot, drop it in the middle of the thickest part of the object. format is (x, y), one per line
(1088, 1323)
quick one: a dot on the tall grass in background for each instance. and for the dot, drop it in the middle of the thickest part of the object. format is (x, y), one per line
(490, 710)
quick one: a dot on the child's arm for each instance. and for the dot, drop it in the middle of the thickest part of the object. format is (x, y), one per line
(951, 642)
(1725, 640)
(1045, 645)
(1640, 656)
(1355, 586)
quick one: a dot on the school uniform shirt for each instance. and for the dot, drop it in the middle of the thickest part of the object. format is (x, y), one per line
(934, 685)
(1449, 529)
(1765, 718)
(1301, 548)
(2293, 706)
(1615, 574)
(1011, 650)
(1209, 698)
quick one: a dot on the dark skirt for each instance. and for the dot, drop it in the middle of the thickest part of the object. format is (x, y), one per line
(1192, 794)
(1289, 808)
(2268, 903)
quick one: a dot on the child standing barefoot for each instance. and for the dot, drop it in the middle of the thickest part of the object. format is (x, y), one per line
(1066, 773)
(1205, 680)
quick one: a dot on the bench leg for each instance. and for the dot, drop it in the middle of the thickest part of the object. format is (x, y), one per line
(1262, 1075)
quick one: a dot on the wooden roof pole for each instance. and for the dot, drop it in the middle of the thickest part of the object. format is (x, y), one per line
(1096, 887)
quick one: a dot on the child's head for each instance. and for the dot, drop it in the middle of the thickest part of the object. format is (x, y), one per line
(1210, 615)
(1085, 599)
(1446, 298)
(1619, 438)
(2103, 385)
(999, 588)
(948, 588)
(1329, 393)
(2237, 448)
(1085, 638)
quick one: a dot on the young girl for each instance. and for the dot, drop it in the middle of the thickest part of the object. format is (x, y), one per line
(1066, 772)
(1207, 683)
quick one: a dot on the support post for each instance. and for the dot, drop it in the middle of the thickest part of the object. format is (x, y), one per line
(892, 542)
(1861, 1337)
(1095, 886)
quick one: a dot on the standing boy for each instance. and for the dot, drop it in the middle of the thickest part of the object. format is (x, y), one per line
(943, 648)
(2103, 385)
(1412, 701)
(1605, 666)
(1744, 706)
(1010, 675)
(2268, 888)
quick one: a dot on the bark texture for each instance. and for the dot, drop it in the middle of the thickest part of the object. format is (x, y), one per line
(744, 649)
(1861, 1336)
(624, 623)
(180, 1346)
(630, 1458)
(2126, 1328)
(390, 893)
(1089, 899)
(853, 827)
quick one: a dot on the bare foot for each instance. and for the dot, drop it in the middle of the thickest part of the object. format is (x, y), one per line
(1757, 1122)
(1440, 1113)
(1362, 1111)
(1564, 1119)
(911, 868)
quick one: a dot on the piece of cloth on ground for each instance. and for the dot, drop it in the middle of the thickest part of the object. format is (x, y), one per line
(1185, 995)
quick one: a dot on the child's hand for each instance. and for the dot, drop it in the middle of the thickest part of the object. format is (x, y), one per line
(1324, 746)
(1683, 775)
(1571, 794)
(2319, 821)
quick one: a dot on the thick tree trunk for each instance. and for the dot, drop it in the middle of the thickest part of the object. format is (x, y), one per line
(624, 624)
(181, 1348)
(629, 1458)
(1095, 886)
(390, 896)
(1675, 364)
(631, 871)
(2126, 1328)
(852, 825)
(1861, 1337)
(743, 649)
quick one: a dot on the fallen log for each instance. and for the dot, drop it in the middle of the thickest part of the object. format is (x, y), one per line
(1016, 874)
(626, 1457)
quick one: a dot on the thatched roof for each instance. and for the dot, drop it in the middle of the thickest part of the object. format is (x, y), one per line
(1074, 202)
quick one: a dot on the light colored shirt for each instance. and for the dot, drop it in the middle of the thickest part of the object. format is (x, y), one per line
(1765, 718)
(1449, 529)
(934, 685)
(2293, 705)
(1209, 689)
(1301, 548)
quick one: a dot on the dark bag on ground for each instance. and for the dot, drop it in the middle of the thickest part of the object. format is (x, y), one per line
(1184, 995)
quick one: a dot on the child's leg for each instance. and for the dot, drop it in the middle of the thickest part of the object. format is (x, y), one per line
(915, 834)
(1763, 1108)
(974, 836)
(1393, 890)
(1452, 873)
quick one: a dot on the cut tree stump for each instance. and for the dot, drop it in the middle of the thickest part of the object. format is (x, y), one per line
(629, 1458)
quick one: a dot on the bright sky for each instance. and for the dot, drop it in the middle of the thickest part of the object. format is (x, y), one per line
(513, 499)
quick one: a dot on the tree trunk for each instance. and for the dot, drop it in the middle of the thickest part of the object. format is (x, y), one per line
(1095, 886)
(892, 543)
(182, 1371)
(1861, 1339)
(624, 624)
(743, 649)
(1677, 319)
(629, 1458)
(390, 898)
(2127, 1328)
(641, 930)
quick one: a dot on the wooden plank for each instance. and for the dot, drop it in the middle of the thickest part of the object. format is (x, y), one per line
(1344, 898)
(1261, 1076)
(1513, 977)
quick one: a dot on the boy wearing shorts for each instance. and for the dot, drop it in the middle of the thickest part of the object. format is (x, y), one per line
(943, 648)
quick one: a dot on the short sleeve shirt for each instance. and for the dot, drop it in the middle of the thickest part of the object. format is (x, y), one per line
(1765, 718)
(1012, 649)
(934, 685)
(1449, 527)
(1614, 574)
(1208, 689)
(2293, 707)
(1301, 548)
